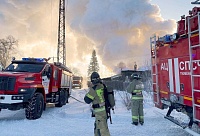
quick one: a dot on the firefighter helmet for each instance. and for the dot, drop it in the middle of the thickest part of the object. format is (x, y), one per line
(95, 78)
(135, 76)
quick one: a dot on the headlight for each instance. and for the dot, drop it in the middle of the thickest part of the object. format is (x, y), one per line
(23, 90)
(28, 91)
(173, 98)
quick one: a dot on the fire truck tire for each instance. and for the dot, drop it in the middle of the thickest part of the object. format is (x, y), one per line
(35, 107)
(66, 97)
(62, 99)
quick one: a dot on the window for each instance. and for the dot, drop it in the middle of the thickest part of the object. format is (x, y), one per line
(23, 67)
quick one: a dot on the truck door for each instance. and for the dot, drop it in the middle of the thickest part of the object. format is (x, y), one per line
(46, 74)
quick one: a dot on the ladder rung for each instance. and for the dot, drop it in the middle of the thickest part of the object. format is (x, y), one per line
(194, 31)
(195, 90)
(195, 60)
(196, 119)
(196, 75)
(197, 105)
(193, 17)
(193, 46)
(183, 35)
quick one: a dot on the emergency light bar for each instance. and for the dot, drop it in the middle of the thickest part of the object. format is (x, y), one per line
(168, 38)
(33, 59)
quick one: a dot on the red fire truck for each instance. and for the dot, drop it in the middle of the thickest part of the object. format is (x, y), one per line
(77, 82)
(31, 83)
(176, 68)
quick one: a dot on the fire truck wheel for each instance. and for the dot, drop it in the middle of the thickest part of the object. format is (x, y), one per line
(66, 97)
(35, 107)
(62, 99)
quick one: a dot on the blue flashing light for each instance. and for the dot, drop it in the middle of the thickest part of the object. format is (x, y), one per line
(167, 38)
(193, 56)
(33, 59)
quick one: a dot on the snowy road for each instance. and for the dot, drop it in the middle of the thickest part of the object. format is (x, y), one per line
(74, 119)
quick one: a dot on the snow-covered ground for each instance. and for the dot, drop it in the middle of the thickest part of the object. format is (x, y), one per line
(74, 119)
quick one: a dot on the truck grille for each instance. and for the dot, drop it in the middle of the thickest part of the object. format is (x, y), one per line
(7, 83)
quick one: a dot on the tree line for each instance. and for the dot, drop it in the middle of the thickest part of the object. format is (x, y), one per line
(8, 47)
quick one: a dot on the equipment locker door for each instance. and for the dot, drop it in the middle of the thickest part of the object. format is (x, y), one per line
(55, 80)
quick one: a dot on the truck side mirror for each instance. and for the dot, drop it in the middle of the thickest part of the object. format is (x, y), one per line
(49, 72)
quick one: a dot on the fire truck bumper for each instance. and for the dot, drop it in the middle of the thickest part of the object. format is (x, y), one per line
(13, 102)
(76, 85)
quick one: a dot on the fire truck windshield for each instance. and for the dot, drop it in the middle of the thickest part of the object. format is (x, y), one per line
(25, 67)
(77, 78)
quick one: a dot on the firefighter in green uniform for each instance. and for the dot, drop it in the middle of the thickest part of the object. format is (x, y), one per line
(96, 97)
(135, 88)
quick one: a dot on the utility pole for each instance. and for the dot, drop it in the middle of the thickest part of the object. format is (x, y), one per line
(61, 50)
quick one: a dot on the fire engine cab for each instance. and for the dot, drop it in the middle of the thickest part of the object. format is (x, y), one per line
(31, 83)
(77, 82)
(176, 67)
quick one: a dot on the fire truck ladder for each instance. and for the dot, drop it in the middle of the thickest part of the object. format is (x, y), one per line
(192, 61)
(154, 71)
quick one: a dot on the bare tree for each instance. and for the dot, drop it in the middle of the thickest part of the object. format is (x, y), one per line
(147, 76)
(121, 65)
(147, 64)
(75, 71)
(126, 99)
(7, 48)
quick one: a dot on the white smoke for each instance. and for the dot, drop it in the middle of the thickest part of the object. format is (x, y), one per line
(118, 30)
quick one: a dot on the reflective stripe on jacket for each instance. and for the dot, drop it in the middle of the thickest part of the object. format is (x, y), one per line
(96, 95)
(137, 95)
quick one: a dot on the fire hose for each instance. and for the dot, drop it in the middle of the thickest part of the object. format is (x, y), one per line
(77, 99)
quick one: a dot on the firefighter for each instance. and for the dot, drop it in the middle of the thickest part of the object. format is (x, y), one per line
(135, 88)
(96, 97)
